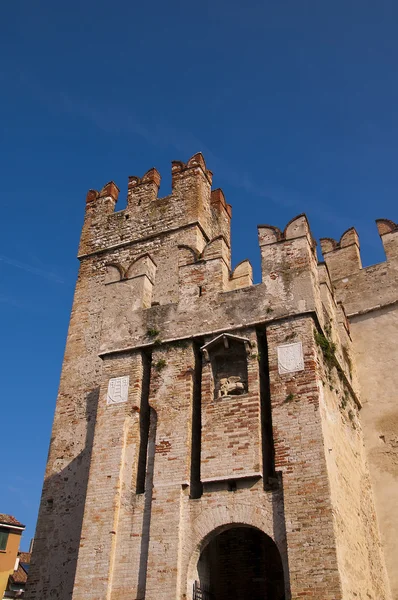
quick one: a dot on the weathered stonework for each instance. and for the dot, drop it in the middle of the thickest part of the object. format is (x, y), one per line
(209, 433)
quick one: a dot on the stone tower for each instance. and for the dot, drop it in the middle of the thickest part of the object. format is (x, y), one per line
(208, 440)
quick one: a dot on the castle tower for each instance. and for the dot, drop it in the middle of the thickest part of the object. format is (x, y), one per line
(207, 440)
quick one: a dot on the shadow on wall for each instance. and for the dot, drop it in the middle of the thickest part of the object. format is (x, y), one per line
(278, 517)
(53, 566)
(146, 523)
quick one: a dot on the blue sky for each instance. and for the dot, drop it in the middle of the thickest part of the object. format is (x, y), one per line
(293, 103)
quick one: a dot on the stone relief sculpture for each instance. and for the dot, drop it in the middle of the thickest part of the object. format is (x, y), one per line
(231, 386)
(228, 356)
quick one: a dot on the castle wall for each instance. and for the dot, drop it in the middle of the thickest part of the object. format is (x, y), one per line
(112, 470)
(359, 553)
(299, 456)
(60, 520)
(64, 491)
(192, 401)
(369, 296)
(375, 336)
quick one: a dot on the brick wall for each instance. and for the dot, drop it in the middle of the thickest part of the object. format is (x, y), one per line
(137, 489)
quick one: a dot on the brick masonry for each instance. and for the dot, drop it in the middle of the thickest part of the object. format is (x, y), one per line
(214, 434)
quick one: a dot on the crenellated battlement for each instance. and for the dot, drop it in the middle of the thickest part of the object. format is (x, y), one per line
(362, 289)
(388, 231)
(196, 221)
(295, 228)
(288, 261)
(179, 169)
(105, 200)
(342, 257)
(192, 202)
(143, 189)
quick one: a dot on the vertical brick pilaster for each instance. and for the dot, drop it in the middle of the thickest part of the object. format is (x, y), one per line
(115, 453)
(299, 455)
(171, 396)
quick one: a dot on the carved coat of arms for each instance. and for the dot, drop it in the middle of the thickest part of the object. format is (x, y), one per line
(290, 358)
(118, 389)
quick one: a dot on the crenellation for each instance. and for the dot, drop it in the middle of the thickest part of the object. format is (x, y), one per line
(110, 191)
(146, 215)
(289, 264)
(299, 227)
(194, 167)
(91, 196)
(214, 432)
(218, 201)
(143, 191)
(241, 276)
(386, 226)
(362, 289)
(342, 258)
(221, 214)
(388, 231)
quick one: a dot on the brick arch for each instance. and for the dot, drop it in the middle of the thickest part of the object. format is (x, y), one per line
(212, 521)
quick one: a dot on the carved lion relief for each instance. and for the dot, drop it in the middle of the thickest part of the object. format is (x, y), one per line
(227, 355)
(231, 386)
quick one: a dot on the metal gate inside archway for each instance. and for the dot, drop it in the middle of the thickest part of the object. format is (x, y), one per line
(241, 563)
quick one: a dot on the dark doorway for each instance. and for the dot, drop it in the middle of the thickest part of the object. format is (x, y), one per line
(241, 563)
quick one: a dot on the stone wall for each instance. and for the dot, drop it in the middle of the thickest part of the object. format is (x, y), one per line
(192, 402)
(374, 335)
(369, 296)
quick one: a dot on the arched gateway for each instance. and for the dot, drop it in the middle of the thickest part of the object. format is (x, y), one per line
(242, 563)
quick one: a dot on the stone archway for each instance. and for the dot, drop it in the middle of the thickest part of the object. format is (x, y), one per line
(240, 562)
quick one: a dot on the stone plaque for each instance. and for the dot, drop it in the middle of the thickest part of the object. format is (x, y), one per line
(118, 389)
(290, 358)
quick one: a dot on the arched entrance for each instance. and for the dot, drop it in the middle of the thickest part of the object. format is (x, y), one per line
(240, 563)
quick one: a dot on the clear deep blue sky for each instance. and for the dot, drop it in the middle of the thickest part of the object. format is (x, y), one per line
(292, 102)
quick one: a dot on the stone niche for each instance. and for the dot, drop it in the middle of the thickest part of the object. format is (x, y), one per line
(227, 355)
(230, 412)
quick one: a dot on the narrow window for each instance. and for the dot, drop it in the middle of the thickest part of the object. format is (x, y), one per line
(196, 486)
(144, 424)
(266, 415)
(4, 533)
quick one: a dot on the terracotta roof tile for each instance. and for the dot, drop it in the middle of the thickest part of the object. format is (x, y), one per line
(24, 557)
(9, 520)
(19, 576)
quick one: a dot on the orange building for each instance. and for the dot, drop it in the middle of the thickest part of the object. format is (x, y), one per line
(10, 537)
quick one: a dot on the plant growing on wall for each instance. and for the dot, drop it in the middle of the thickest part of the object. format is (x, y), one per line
(160, 364)
(152, 332)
